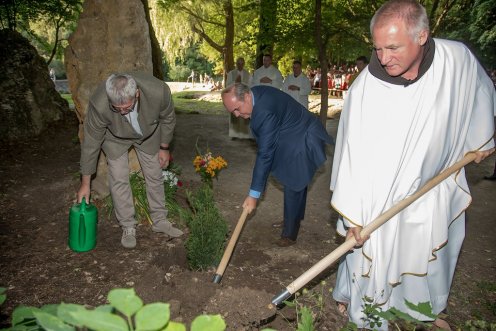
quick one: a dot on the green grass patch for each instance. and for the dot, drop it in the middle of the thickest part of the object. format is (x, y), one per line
(68, 97)
(187, 102)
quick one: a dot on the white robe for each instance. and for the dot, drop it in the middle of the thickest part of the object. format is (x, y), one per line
(239, 127)
(233, 74)
(303, 83)
(271, 72)
(391, 140)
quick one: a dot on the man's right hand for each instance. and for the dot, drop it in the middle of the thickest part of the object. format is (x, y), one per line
(84, 189)
(355, 232)
(250, 204)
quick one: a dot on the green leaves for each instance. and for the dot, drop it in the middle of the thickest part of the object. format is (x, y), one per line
(152, 317)
(68, 317)
(208, 323)
(125, 300)
(3, 297)
(306, 322)
(51, 322)
(101, 321)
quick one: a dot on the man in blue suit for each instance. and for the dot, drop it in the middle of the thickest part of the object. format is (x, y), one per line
(291, 145)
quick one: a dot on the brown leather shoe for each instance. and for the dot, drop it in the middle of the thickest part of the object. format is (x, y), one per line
(285, 242)
(278, 225)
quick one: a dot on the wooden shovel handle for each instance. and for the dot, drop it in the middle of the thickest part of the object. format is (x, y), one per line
(376, 223)
(230, 246)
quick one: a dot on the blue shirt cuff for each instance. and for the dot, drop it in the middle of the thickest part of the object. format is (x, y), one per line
(254, 194)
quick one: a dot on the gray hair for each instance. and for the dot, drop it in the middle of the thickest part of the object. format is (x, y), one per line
(409, 11)
(121, 88)
(239, 90)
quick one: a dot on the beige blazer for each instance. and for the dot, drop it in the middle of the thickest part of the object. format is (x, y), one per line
(112, 132)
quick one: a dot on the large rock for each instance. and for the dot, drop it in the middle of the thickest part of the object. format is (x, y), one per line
(29, 99)
(111, 36)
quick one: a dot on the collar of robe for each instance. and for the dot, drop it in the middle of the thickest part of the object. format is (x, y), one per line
(378, 71)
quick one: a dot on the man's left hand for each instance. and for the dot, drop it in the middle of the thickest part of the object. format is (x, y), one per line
(164, 157)
(481, 155)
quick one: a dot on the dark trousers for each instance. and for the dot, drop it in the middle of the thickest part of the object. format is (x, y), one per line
(294, 211)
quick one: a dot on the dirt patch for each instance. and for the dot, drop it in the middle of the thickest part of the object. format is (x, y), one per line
(38, 181)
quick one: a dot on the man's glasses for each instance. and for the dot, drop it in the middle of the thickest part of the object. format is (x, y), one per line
(123, 109)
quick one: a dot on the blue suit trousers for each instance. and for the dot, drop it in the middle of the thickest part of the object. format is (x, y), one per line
(294, 211)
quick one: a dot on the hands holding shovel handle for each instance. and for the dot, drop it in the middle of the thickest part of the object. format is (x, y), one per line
(366, 231)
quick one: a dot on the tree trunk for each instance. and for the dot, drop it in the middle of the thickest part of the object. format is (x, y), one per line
(321, 42)
(267, 30)
(228, 50)
(158, 70)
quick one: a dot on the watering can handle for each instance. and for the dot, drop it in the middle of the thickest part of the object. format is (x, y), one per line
(83, 204)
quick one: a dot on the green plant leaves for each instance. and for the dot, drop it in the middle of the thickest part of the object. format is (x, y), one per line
(153, 316)
(174, 326)
(208, 323)
(125, 300)
(50, 322)
(3, 297)
(22, 313)
(423, 308)
(101, 321)
(66, 312)
(306, 320)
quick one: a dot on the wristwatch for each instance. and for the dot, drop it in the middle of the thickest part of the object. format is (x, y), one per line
(164, 148)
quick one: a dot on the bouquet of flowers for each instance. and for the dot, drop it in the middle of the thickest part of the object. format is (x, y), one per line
(171, 175)
(208, 166)
(171, 184)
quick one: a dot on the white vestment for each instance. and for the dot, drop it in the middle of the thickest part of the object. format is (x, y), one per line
(391, 140)
(233, 74)
(303, 83)
(271, 72)
(239, 127)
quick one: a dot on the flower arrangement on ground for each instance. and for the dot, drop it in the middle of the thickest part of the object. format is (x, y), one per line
(207, 165)
(171, 184)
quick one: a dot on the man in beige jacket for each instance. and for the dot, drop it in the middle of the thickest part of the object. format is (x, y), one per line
(130, 111)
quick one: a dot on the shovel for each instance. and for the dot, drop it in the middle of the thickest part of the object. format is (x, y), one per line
(230, 247)
(376, 223)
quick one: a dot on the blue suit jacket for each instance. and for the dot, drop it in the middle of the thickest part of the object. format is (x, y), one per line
(291, 140)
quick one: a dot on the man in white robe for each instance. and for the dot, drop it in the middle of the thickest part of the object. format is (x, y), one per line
(239, 127)
(419, 107)
(297, 85)
(267, 74)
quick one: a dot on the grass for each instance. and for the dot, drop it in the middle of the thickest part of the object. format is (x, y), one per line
(68, 97)
(187, 102)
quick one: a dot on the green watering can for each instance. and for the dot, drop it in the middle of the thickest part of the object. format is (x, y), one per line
(83, 219)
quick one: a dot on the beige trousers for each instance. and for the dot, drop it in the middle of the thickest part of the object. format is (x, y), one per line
(120, 189)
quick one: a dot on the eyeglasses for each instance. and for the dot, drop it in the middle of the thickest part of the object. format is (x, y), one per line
(122, 109)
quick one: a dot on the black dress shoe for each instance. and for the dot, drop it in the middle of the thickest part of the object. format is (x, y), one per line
(492, 177)
(278, 225)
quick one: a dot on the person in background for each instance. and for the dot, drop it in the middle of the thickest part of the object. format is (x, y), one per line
(239, 127)
(130, 110)
(291, 145)
(267, 74)
(404, 121)
(297, 85)
(361, 62)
